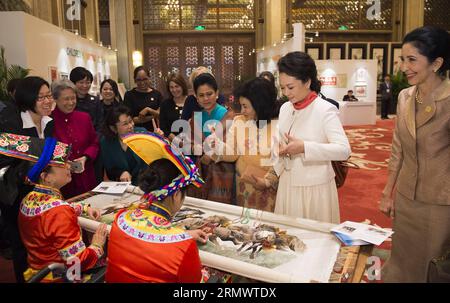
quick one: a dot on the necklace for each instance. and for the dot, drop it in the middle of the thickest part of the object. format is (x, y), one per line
(418, 99)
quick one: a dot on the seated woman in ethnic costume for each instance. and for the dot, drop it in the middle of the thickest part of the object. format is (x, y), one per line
(48, 225)
(143, 245)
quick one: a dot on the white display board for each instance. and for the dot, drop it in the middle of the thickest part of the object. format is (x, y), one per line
(358, 113)
(268, 57)
(315, 263)
(339, 76)
(51, 52)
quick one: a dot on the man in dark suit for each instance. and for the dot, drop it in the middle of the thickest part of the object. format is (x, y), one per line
(386, 96)
(349, 96)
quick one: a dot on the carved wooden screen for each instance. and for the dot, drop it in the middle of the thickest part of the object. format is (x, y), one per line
(228, 56)
(437, 13)
(332, 14)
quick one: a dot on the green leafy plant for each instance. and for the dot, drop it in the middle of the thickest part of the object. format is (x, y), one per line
(9, 72)
(399, 82)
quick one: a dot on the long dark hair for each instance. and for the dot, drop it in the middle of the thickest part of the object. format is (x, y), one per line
(301, 66)
(115, 88)
(431, 42)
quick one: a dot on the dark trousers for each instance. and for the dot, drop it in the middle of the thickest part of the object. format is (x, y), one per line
(385, 103)
(19, 252)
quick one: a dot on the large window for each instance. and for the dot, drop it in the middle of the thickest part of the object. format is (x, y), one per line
(198, 14)
(335, 14)
(437, 13)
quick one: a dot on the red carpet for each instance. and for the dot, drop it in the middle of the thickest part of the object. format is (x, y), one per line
(371, 146)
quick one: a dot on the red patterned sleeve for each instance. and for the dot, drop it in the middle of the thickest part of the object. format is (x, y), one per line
(61, 225)
(190, 267)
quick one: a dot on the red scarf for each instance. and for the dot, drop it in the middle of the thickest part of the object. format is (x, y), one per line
(307, 101)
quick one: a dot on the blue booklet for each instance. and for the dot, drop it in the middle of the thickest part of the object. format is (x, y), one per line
(349, 241)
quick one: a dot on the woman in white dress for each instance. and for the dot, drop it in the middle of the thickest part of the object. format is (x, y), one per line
(310, 137)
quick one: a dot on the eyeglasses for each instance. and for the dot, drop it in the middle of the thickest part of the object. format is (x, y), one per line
(42, 98)
(142, 80)
(125, 123)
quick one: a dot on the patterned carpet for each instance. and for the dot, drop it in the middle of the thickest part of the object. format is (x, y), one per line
(360, 195)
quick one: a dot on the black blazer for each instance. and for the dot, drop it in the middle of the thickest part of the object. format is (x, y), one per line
(384, 90)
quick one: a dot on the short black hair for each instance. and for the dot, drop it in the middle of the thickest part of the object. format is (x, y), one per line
(207, 79)
(158, 174)
(301, 66)
(79, 73)
(262, 95)
(111, 118)
(350, 91)
(431, 42)
(140, 68)
(27, 92)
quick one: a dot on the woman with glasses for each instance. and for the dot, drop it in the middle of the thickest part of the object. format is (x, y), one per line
(82, 78)
(75, 128)
(143, 100)
(121, 163)
(29, 115)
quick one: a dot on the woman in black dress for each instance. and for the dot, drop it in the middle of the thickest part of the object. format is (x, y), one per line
(143, 100)
(172, 108)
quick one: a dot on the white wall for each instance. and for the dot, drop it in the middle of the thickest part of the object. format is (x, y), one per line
(268, 58)
(38, 45)
(350, 68)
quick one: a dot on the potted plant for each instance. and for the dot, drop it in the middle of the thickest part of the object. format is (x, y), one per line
(7, 73)
(399, 82)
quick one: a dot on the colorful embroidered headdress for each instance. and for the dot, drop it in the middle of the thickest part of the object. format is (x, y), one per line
(151, 147)
(41, 151)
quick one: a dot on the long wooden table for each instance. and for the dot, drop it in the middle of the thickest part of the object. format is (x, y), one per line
(349, 266)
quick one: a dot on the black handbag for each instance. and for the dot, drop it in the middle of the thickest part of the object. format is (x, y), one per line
(439, 269)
